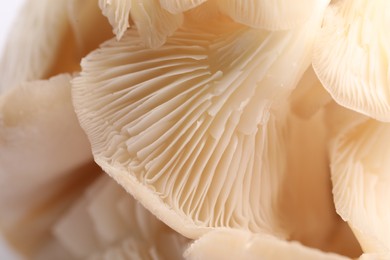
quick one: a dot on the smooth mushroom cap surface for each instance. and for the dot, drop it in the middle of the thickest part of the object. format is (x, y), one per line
(42, 148)
(238, 244)
(22, 62)
(49, 38)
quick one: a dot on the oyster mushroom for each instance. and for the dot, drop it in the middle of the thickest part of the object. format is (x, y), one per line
(44, 215)
(190, 128)
(356, 33)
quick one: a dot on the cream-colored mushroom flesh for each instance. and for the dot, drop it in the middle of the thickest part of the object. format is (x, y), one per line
(42, 148)
(309, 97)
(270, 15)
(360, 176)
(187, 128)
(49, 38)
(41, 24)
(238, 244)
(179, 6)
(153, 23)
(352, 54)
(107, 223)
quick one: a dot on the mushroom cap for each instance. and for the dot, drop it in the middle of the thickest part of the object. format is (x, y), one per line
(42, 148)
(22, 62)
(360, 176)
(351, 56)
(190, 128)
(49, 38)
(238, 244)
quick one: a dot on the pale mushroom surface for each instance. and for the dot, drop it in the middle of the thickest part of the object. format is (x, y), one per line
(309, 97)
(118, 14)
(270, 15)
(37, 122)
(107, 223)
(238, 244)
(49, 38)
(153, 23)
(360, 176)
(352, 54)
(179, 6)
(187, 128)
(42, 25)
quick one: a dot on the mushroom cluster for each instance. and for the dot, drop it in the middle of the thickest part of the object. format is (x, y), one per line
(196, 129)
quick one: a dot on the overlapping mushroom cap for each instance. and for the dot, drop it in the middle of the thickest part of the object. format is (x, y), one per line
(188, 128)
(360, 179)
(351, 57)
(42, 149)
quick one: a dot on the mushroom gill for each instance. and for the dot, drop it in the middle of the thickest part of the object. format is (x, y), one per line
(351, 56)
(191, 129)
(359, 163)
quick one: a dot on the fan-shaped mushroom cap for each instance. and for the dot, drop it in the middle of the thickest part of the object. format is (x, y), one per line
(360, 176)
(107, 223)
(42, 148)
(238, 244)
(270, 15)
(187, 128)
(352, 54)
(153, 22)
